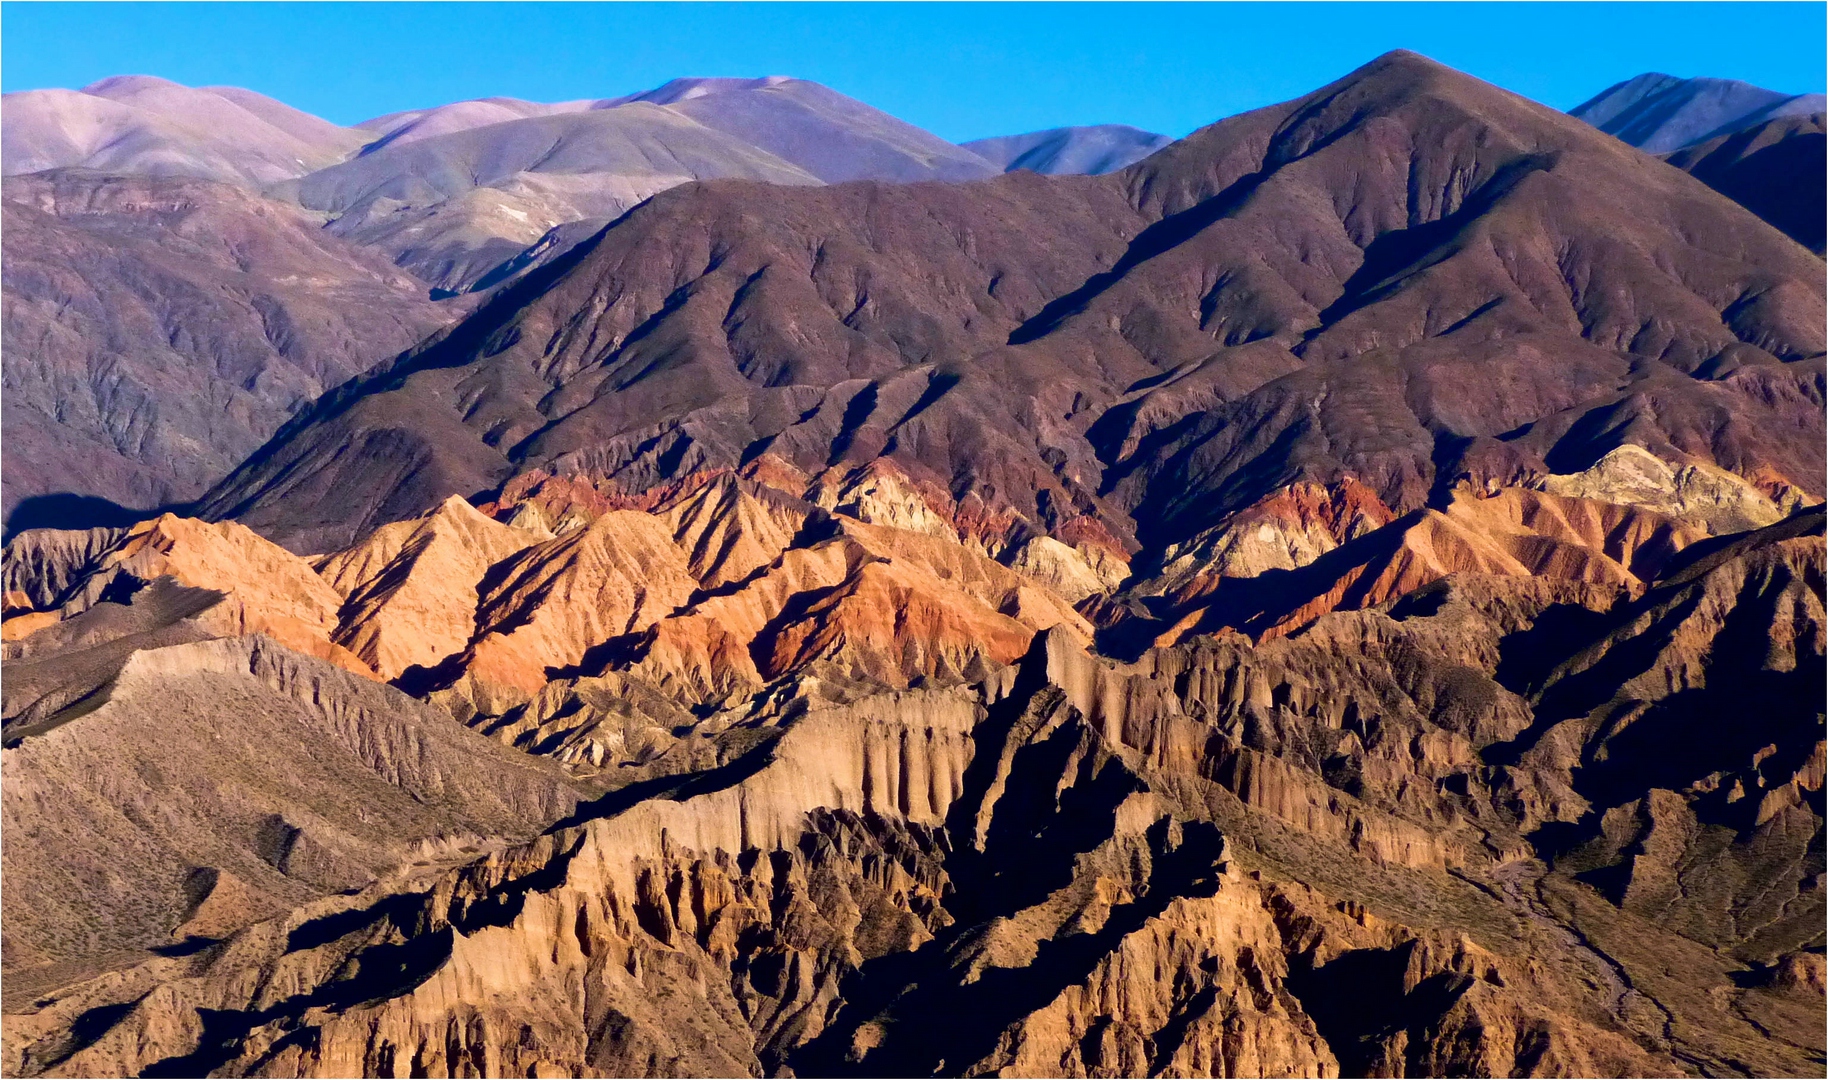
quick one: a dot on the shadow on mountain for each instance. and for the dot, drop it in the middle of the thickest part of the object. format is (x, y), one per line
(68, 510)
(1161, 237)
(1358, 1001)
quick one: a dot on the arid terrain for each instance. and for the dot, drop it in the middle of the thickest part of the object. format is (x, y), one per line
(1339, 595)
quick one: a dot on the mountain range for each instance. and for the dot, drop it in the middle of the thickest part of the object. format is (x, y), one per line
(464, 199)
(1340, 593)
(141, 125)
(1090, 151)
(1144, 352)
(1661, 113)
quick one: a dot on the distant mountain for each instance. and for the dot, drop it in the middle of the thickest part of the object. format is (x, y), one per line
(456, 192)
(831, 136)
(152, 127)
(1775, 169)
(401, 127)
(1091, 151)
(451, 207)
(1659, 113)
(158, 329)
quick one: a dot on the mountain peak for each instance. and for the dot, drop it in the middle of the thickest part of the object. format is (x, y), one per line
(129, 84)
(1406, 60)
(1659, 113)
(1089, 150)
(690, 88)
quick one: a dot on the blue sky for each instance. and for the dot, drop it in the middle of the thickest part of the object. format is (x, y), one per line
(960, 70)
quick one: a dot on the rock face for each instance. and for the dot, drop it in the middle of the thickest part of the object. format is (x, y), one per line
(557, 600)
(256, 586)
(1289, 529)
(1596, 546)
(43, 566)
(265, 588)
(1699, 496)
(410, 589)
(730, 529)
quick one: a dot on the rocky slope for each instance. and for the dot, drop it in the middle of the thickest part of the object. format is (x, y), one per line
(158, 330)
(190, 833)
(409, 590)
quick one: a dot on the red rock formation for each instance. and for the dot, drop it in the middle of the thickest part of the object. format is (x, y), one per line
(269, 589)
(1288, 529)
(729, 529)
(410, 588)
(1513, 532)
(549, 604)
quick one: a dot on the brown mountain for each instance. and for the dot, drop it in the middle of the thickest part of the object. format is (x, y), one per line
(1408, 276)
(1775, 169)
(157, 330)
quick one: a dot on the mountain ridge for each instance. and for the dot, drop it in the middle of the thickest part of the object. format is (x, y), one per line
(1773, 169)
(1662, 113)
(143, 124)
(1272, 337)
(1088, 150)
(460, 237)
